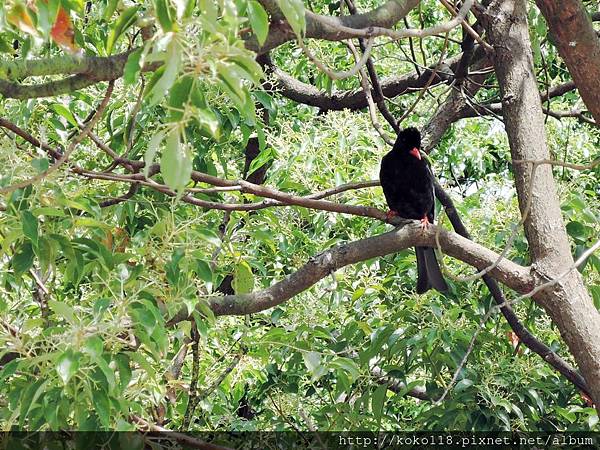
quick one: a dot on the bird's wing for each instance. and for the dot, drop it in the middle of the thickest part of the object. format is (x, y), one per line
(431, 214)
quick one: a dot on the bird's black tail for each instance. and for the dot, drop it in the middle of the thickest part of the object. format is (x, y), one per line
(429, 274)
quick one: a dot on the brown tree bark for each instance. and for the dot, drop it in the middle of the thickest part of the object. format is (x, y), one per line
(576, 40)
(567, 302)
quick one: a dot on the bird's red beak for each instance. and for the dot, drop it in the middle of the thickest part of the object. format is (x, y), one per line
(416, 153)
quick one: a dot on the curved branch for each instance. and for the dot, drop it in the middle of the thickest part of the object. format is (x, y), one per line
(373, 30)
(513, 275)
(280, 32)
(52, 88)
(307, 94)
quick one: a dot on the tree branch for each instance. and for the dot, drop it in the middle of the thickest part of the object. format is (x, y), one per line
(307, 94)
(320, 266)
(327, 27)
(65, 156)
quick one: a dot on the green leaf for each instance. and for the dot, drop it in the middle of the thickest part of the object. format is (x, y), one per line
(378, 401)
(64, 112)
(40, 164)
(38, 391)
(63, 310)
(259, 21)
(48, 211)
(576, 230)
(168, 76)
(133, 66)
(249, 68)
(176, 163)
(127, 18)
(151, 150)
(179, 96)
(124, 370)
(73, 5)
(106, 371)
(22, 260)
(181, 7)
(209, 121)
(93, 346)
(208, 9)
(110, 9)
(312, 360)
(67, 365)
(9, 369)
(293, 10)
(463, 384)
(203, 270)
(29, 224)
(243, 279)
(189, 8)
(163, 13)
(101, 305)
(232, 82)
(264, 157)
(347, 365)
(102, 407)
(209, 236)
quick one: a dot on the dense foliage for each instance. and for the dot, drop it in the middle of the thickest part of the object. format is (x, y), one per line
(87, 289)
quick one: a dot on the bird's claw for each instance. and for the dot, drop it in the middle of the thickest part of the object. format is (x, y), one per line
(391, 214)
(424, 224)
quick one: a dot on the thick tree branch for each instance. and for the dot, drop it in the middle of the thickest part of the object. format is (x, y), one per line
(300, 92)
(320, 266)
(449, 112)
(373, 30)
(84, 72)
(326, 27)
(169, 435)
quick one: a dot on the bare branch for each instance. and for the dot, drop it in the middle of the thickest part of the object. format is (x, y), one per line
(468, 28)
(372, 30)
(300, 92)
(29, 138)
(372, 111)
(326, 27)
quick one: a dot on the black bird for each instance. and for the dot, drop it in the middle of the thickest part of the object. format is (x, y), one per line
(407, 183)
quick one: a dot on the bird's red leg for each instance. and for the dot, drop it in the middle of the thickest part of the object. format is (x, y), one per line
(424, 223)
(391, 214)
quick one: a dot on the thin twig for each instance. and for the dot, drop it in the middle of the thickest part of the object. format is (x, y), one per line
(338, 75)
(429, 81)
(65, 156)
